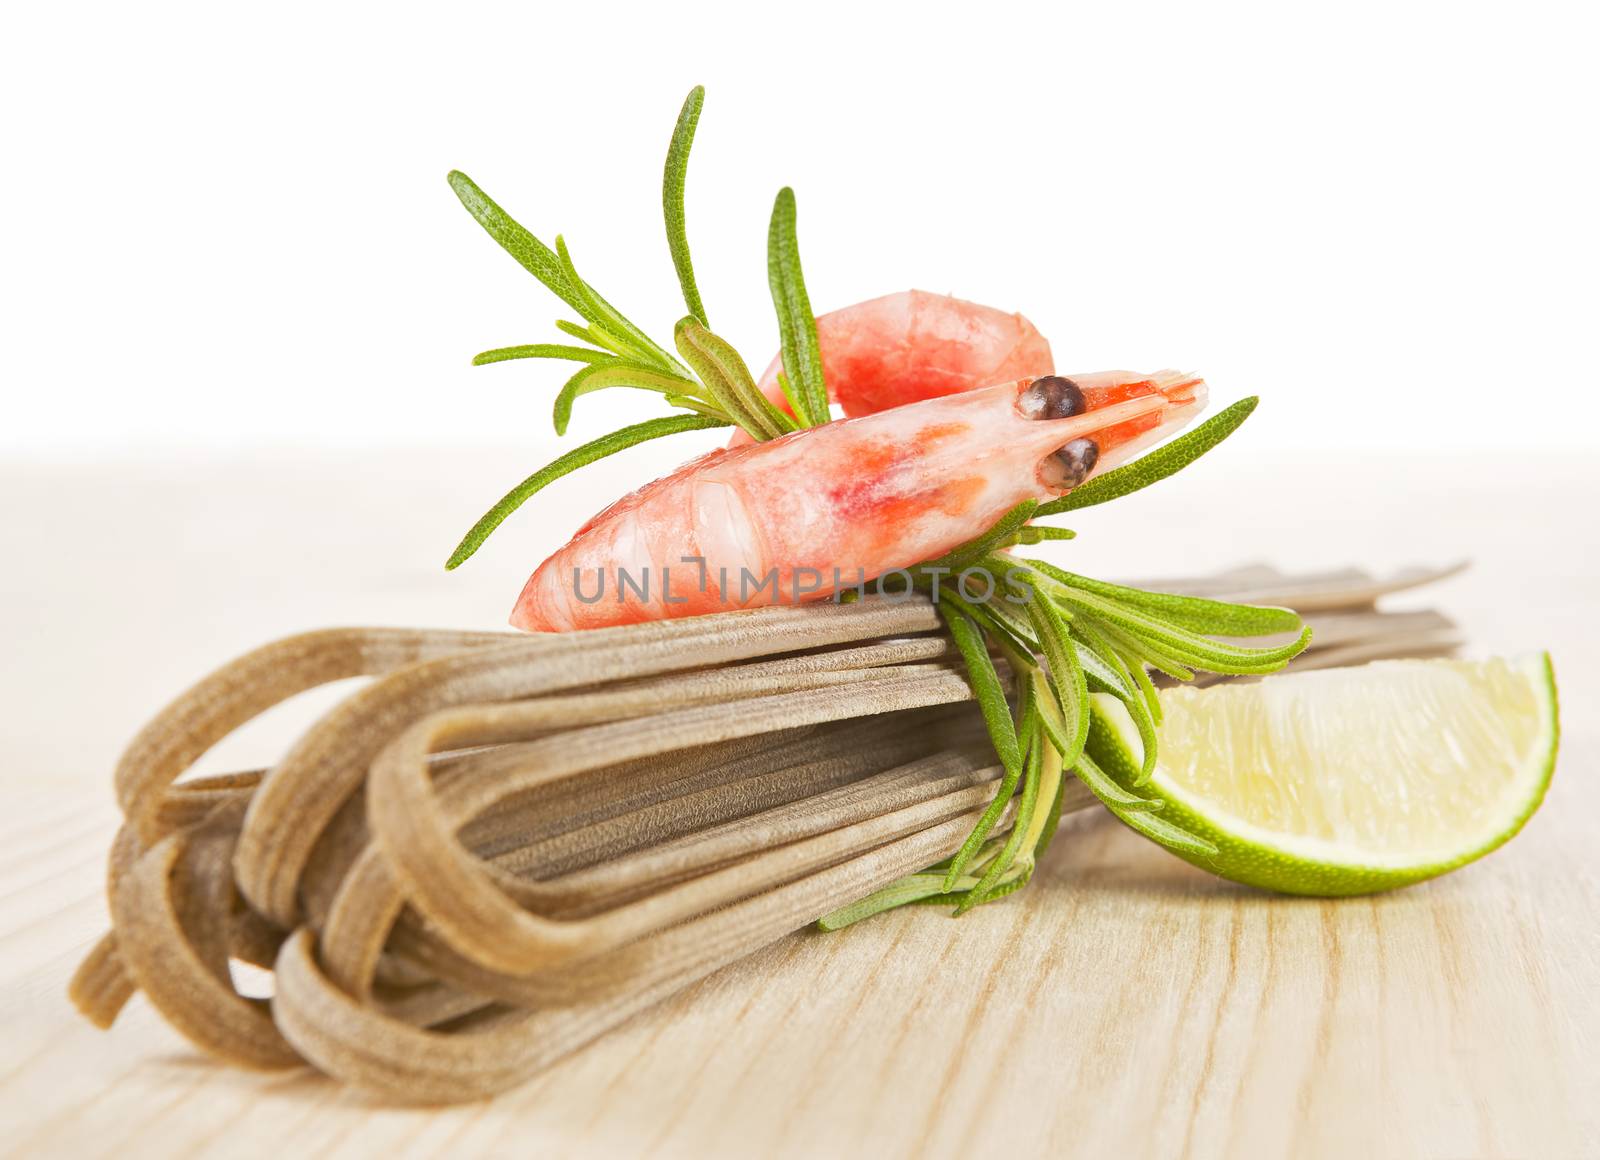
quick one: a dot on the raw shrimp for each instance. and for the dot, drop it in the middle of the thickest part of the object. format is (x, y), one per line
(827, 508)
(914, 345)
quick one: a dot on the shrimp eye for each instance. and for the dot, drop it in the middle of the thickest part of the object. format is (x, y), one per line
(1052, 397)
(1070, 466)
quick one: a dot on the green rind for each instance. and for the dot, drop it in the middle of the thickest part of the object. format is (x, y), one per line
(1254, 864)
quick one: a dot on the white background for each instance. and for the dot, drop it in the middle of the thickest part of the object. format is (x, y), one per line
(226, 231)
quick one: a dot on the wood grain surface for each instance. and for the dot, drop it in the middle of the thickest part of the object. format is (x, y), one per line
(1125, 1004)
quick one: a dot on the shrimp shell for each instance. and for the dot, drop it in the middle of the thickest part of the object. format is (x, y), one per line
(906, 347)
(801, 517)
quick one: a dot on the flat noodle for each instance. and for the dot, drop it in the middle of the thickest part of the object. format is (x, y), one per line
(505, 845)
(595, 791)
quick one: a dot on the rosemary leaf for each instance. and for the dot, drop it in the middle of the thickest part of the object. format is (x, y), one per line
(1182, 644)
(618, 373)
(998, 536)
(1103, 676)
(796, 405)
(608, 321)
(802, 357)
(700, 407)
(901, 892)
(1013, 638)
(985, 682)
(1043, 825)
(533, 255)
(1089, 632)
(729, 380)
(554, 269)
(986, 687)
(914, 888)
(672, 186)
(1165, 833)
(570, 462)
(1111, 795)
(1105, 788)
(1142, 650)
(1019, 829)
(1156, 466)
(717, 383)
(1015, 882)
(1071, 684)
(581, 330)
(1013, 631)
(1027, 717)
(1055, 726)
(1035, 534)
(597, 334)
(1135, 652)
(1192, 612)
(986, 823)
(1151, 698)
(540, 350)
(1187, 647)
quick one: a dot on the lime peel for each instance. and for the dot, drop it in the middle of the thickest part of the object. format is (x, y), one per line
(1459, 756)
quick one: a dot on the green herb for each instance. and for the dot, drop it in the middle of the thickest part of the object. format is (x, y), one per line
(715, 388)
(1168, 459)
(672, 183)
(729, 381)
(802, 357)
(570, 462)
(581, 354)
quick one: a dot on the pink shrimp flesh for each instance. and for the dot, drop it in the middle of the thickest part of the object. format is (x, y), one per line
(914, 345)
(820, 510)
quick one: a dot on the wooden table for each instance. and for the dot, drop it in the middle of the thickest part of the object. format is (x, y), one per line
(1125, 1004)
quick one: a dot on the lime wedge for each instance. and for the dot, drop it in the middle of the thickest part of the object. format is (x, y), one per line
(1347, 781)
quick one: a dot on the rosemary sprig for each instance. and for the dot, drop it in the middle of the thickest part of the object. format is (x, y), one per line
(621, 372)
(711, 383)
(570, 462)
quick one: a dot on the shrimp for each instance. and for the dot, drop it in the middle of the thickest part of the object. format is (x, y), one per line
(824, 509)
(914, 345)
